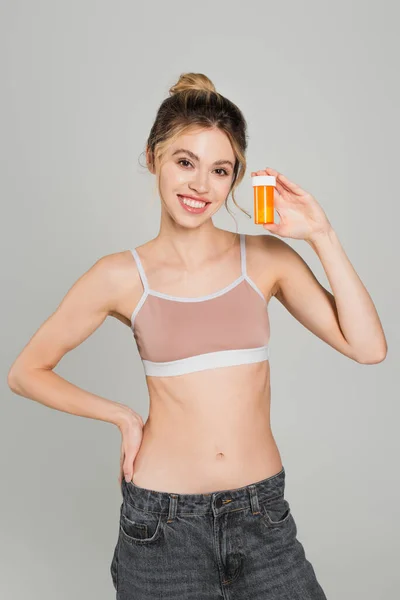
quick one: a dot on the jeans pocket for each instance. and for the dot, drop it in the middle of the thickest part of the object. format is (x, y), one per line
(139, 526)
(275, 511)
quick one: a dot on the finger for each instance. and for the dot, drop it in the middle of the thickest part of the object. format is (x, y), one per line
(129, 460)
(285, 194)
(121, 462)
(278, 199)
(280, 204)
(272, 227)
(285, 182)
(128, 471)
(289, 185)
(260, 172)
(279, 185)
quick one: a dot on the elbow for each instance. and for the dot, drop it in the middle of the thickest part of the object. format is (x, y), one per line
(373, 359)
(20, 377)
(12, 380)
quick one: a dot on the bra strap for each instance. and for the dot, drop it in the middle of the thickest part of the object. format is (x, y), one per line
(140, 269)
(243, 253)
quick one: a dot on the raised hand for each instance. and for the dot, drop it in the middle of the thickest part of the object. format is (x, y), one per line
(301, 217)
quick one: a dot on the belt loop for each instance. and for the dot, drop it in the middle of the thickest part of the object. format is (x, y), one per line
(255, 507)
(173, 503)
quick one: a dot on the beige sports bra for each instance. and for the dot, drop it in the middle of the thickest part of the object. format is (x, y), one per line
(177, 335)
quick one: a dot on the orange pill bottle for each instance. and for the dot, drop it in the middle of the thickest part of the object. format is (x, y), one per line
(263, 186)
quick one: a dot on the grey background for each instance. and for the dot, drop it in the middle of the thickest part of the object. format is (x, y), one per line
(80, 86)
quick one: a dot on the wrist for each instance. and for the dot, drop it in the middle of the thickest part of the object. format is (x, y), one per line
(321, 235)
(125, 417)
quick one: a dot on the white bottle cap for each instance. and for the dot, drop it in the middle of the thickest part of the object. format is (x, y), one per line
(263, 180)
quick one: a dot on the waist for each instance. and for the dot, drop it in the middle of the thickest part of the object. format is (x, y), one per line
(208, 429)
(202, 502)
(223, 455)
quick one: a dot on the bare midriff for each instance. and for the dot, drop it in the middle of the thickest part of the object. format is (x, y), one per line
(208, 431)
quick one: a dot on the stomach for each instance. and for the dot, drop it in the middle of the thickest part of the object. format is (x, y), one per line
(208, 431)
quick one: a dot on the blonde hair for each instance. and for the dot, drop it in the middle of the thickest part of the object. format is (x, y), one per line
(194, 102)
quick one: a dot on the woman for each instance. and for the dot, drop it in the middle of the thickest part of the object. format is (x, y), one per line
(204, 513)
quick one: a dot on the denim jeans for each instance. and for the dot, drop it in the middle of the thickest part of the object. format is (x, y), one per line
(236, 544)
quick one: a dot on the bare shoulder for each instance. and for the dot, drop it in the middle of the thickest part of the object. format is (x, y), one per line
(267, 242)
(113, 267)
(265, 254)
(110, 270)
(111, 285)
(118, 271)
(288, 265)
(272, 255)
(105, 286)
(275, 249)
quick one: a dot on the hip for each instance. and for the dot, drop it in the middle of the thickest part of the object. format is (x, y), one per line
(204, 466)
(233, 543)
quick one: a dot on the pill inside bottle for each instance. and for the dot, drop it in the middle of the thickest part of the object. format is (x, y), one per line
(263, 186)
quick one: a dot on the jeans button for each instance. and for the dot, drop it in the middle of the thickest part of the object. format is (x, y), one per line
(218, 502)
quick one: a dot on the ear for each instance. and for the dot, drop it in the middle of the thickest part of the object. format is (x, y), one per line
(149, 160)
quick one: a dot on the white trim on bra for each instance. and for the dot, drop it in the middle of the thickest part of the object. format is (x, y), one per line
(198, 298)
(148, 291)
(210, 360)
(228, 288)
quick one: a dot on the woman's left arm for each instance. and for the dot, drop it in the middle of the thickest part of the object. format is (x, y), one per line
(350, 312)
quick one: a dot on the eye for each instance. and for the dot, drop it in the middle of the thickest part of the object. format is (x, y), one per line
(225, 172)
(183, 160)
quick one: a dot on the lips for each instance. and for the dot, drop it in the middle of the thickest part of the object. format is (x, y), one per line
(194, 198)
(192, 209)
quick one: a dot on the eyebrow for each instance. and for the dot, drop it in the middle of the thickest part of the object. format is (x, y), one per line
(195, 157)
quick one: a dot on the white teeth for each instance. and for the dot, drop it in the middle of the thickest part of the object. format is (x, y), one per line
(193, 203)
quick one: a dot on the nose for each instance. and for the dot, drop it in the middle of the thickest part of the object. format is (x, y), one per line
(199, 183)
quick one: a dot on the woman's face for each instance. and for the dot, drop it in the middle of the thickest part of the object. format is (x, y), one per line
(199, 164)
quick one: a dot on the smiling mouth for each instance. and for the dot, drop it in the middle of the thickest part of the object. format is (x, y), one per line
(193, 202)
(192, 206)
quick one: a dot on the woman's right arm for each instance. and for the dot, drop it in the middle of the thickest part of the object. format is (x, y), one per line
(84, 308)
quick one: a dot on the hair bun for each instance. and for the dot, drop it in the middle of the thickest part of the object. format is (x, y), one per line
(192, 81)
